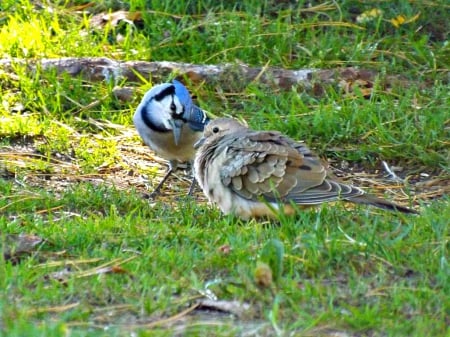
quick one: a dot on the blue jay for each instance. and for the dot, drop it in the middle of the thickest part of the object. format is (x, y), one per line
(255, 173)
(170, 123)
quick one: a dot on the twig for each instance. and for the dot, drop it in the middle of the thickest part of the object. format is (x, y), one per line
(171, 318)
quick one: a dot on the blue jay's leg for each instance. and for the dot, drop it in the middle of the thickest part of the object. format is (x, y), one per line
(172, 167)
(193, 182)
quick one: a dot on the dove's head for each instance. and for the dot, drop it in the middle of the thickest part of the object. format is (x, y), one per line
(218, 128)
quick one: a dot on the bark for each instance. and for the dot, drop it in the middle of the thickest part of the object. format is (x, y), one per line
(229, 76)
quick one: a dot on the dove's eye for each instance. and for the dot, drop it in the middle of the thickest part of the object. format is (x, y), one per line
(215, 129)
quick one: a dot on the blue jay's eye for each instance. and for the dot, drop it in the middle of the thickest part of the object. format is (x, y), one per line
(215, 129)
(173, 107)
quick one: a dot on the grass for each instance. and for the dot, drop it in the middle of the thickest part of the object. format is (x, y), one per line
(113, 263)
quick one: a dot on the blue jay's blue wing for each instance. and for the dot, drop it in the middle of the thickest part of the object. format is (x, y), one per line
(195, 117)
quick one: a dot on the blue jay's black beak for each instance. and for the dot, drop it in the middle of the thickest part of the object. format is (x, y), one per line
(199, 143)
(176, 125)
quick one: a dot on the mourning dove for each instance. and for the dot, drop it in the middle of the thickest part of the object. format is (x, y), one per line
(258, 173)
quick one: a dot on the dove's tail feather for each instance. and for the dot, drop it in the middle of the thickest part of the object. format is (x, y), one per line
(381, 203)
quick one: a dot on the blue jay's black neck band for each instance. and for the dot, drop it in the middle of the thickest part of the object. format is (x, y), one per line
(170, 90)
(147, 121)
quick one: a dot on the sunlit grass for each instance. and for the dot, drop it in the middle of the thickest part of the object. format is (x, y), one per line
(74, 173)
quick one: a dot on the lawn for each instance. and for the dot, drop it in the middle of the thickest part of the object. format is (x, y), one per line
(85, 252)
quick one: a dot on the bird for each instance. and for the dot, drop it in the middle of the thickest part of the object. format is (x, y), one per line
(170, 123)
(254, 174)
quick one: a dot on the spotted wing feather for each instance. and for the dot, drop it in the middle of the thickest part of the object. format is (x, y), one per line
(269, 165)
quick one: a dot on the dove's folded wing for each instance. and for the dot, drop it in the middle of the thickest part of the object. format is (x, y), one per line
(272, 166)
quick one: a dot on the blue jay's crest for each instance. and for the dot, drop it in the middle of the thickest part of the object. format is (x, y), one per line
(182, 93)
(166, 91)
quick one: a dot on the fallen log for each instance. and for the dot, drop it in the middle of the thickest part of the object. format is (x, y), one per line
(106, 69)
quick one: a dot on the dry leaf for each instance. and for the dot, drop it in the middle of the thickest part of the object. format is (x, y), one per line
(263, 275)
(16, 246)
(60, 276)
(99, 21)
(402, 20)
(369, 15)
(224, 249)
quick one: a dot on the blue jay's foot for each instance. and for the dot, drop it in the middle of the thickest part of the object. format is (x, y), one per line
(192, 187)
(190, 194)
(157, 190)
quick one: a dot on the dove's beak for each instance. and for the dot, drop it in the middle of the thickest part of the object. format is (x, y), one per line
(176, 125)
(199, 143)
